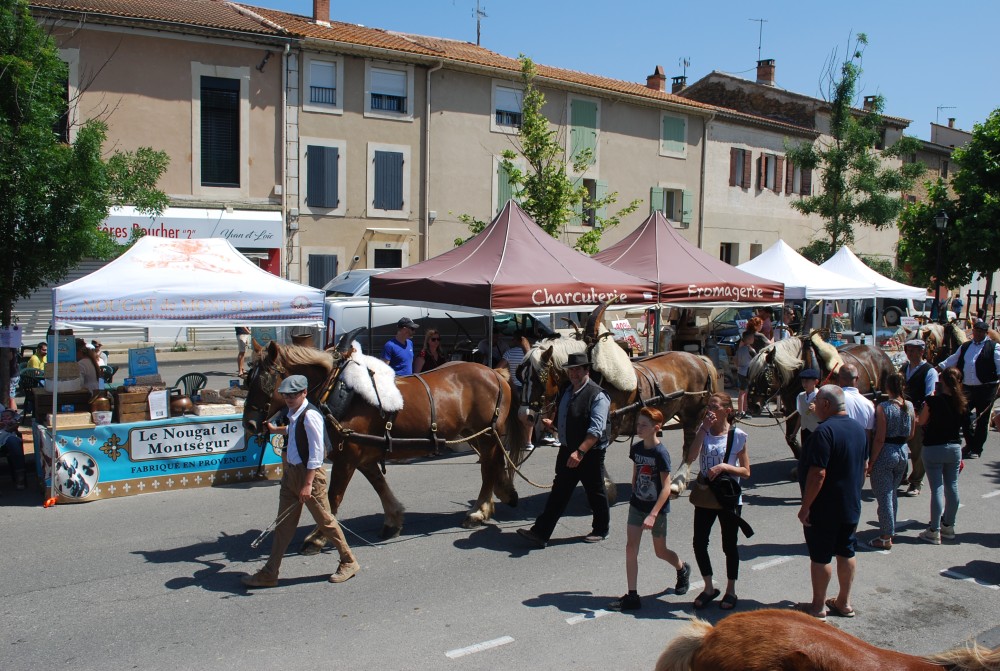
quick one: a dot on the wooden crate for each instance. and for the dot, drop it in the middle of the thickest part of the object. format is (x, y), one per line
(131, 397)
(79, 400)
(126, 418)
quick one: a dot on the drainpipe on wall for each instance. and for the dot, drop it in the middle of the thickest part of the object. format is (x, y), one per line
(701, 190)
(284, 155)
(425, 222)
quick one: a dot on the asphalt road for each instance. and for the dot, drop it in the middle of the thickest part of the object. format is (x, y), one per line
(152, 581)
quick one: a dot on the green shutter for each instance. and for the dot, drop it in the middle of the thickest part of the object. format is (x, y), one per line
(583, 129)
(672, 134)
(600, 193)
(505, 190)
(687, 207)
(657, 200)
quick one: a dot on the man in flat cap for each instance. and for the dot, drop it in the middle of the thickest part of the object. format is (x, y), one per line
(398, 352)
(805, 403)
(979, 361)
(921, 381)
(303, 482)
(582, 422)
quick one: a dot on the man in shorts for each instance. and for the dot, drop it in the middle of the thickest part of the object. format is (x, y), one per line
(831, 474)
(243, 341)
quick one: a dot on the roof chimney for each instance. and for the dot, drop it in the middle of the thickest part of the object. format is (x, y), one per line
(869, 103)
(765, 72)
(951, 122)
(678, 84)
(657, 81)
(321, 12)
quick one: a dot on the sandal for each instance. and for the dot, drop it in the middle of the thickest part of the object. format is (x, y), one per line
(705, 598)
(834, 609)
(880, 543)
(728, 602)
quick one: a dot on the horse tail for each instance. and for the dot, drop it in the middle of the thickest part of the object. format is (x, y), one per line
(515, 436)
(972, 657)
(711, 384)
(679, 653)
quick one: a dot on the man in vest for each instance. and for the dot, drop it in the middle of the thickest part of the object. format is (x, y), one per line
(303, 482)
(921, 380)
(582, 423)
(979, 361)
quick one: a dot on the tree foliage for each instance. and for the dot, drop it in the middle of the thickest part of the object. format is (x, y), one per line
(857, 185)
(546, 190)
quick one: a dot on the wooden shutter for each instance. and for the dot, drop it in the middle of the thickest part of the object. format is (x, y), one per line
(388, 180)
(779, 169)
(789, 177)
(505, 190)
(806, 182)
(747, 155)
(321, 177)
(760, 173)
(583, 130)
(600, 192)
(322, 269)
(657, 199)
(220, 131)
(734, 158)
(672, 134)
(687, 208)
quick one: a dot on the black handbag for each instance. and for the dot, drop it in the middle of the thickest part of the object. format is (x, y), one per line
(724, 491)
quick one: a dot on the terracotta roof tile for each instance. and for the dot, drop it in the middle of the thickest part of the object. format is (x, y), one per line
(202, 13)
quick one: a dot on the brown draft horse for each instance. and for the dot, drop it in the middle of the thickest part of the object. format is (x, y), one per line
(464, 400)
(775, 371)
(676, 383)
(766, 640)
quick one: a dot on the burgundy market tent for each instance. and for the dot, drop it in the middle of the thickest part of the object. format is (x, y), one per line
(512, 265)
(684, 274)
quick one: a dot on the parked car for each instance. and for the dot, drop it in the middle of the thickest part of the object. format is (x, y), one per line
(352, 282)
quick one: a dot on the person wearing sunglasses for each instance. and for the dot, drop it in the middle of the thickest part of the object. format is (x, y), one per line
(431, 356)
(398, 351)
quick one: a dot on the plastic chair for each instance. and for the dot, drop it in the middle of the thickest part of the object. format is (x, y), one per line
(191, 383)
(31, 379)
(108, 373)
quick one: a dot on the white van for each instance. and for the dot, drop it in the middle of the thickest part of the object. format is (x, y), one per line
(891, 311)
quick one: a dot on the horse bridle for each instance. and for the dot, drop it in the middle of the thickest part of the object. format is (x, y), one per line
(269, 377)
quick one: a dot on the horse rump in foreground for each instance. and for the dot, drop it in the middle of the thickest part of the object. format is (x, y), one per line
(786, 640)
(775, 372)
(405, 417)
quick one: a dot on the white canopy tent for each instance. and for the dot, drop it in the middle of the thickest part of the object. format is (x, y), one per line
(845, 263)
(803, 278)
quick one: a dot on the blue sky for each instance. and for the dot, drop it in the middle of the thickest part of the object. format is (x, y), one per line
(921, 54)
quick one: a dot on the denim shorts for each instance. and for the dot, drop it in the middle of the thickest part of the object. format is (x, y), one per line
(636, 517)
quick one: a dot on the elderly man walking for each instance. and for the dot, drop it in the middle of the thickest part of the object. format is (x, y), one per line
(831, 474)
(858, 408)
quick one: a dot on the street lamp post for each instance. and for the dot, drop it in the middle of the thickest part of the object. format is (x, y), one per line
(941, 223)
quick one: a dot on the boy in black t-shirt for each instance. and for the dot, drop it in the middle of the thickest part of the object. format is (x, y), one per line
(648, 507)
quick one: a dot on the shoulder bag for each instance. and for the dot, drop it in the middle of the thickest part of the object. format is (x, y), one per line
(703, 490)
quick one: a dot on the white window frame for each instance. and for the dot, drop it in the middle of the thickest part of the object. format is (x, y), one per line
(511, 86)
(199, 70)
(71, 57)
(373, 245)
(408, 70)
(677, 215)
(338, 63)
(594, 170)
(407, 205)
(341, 145)
(673, 154)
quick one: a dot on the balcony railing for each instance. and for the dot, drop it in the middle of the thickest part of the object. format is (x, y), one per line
(387, 103)
(323, 95)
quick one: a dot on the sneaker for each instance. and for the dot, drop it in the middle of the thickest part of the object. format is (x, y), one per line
(550, 440)
(932, 536)
(345, 571)
(912, 490)
(948, 532)
(529, 447)
(630, 601)
(259, 579)
(593, 537)
(683, 579)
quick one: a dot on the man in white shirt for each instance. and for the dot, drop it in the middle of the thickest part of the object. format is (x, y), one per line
(921, 382)
(805, 403)
(979, 361)
(303, 482)
(859, 408)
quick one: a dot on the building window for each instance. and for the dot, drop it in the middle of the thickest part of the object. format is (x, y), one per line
(324, 191)
(739, 167)
(65, 127)
(323, 85)
(944, 169)
(769, 168)
(388, 258)
(389, 181)
(220, 132)
(728, 252)
(584, 116)
(673, 136)
(676, 204)
(389, 91)
(507, 105)
(322, 269)
(755, 250)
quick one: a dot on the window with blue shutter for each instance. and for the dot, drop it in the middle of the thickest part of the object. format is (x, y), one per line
(583, 129)
(322, 269)
(388, 180)
(220, 132)
(322, 165)
(657, 199)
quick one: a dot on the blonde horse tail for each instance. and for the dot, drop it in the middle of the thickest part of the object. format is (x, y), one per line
(972, 657)
(713, 374)
(680, 652)
(515, 436)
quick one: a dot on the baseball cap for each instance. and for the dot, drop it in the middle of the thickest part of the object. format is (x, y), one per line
(407, 322)
(809, 374)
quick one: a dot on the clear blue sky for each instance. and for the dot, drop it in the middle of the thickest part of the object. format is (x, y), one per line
(921, 54)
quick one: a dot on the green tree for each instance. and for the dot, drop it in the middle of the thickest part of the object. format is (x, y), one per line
(857, 185)
(919, 239)
(53, 195)
(545, 189)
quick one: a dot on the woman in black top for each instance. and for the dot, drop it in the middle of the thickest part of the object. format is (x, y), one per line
(942, 417)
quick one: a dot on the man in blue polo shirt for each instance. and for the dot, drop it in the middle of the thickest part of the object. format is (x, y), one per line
(398, 352)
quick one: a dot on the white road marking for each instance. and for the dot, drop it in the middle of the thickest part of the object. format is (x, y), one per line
(592, 615)
(478, 647)
(773, 562)
(961, 576)
(991, 494)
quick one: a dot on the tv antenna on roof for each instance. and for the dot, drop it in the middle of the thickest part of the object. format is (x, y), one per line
(480, 14)
(760, 36)
(937, 117)
(685, 63)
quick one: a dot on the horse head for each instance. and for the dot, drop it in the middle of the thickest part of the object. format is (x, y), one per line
(540, 380)
(763, 380)
(263, 400)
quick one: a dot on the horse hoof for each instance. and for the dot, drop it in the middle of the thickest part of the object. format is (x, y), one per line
(514, 500)
(472, 521)
(309, 549)
(390, 532)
